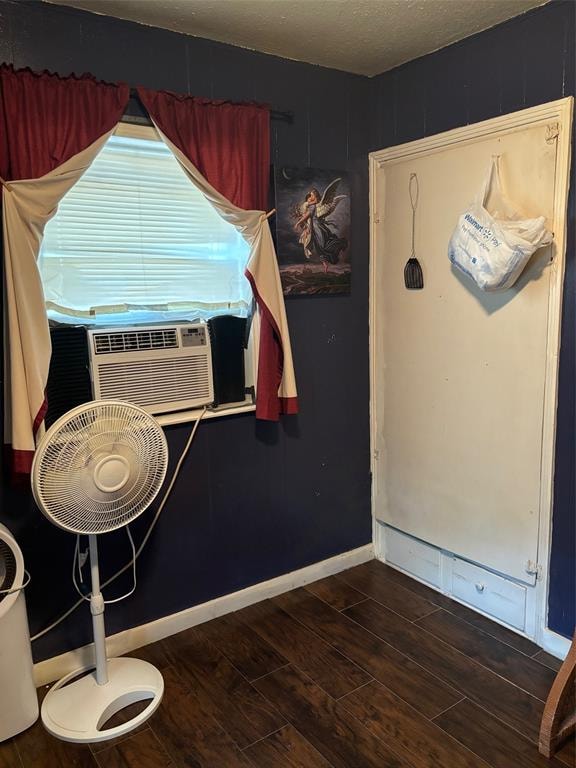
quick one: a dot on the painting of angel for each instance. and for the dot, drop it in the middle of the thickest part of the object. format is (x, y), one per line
(313, 231)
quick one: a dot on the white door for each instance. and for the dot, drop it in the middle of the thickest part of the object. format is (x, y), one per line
(464, 382)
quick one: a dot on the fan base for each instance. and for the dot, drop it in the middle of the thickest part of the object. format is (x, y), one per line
(76, 711)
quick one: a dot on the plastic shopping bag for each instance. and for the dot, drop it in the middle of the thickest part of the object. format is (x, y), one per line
(493, 247)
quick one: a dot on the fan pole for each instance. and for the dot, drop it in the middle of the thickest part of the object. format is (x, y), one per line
(97, 611)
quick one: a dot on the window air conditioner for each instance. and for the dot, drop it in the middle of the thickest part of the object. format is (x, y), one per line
(160, 368)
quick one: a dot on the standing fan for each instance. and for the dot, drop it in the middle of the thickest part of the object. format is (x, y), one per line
(98, 468)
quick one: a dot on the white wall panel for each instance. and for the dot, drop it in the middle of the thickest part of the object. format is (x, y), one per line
(463, 382)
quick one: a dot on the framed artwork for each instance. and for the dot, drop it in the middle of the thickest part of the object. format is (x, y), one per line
(313, 231)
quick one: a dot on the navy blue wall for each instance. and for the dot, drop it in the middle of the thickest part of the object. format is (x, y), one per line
(254, 500)
(526, 61)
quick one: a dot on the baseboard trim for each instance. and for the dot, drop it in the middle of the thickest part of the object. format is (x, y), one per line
(555, 644)
(53, 669)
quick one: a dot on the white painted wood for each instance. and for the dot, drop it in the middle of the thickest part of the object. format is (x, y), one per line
(462, 435)
(183, 417)
(414, 556)
(382, 532)
(546, 638)
(492, 594)
(531, 618)
(472, 512)
(131, 639)
(468, 583)
(555, 644)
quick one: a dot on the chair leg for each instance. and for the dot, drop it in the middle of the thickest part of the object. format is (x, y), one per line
(559, 717)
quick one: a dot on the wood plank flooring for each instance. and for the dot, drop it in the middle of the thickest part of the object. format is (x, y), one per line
(367, 669)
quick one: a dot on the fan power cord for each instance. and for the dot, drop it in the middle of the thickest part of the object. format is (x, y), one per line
(27, 580)
(138, 552)
(84, 594)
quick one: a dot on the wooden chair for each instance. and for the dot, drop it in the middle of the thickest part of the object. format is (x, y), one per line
(559, 717)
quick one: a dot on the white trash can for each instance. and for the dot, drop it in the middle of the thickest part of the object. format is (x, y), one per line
(18, 699)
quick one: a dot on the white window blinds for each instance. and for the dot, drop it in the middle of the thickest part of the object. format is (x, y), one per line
(135, 240)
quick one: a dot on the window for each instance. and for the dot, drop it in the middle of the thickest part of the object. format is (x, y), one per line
(135, 241)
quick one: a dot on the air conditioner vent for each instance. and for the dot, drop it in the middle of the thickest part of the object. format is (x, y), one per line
(155, 382)
(134, 341)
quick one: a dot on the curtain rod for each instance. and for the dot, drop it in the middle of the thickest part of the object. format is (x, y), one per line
(275, 114)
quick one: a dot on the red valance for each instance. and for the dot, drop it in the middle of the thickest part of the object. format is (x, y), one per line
(46, 119)
(228, 143)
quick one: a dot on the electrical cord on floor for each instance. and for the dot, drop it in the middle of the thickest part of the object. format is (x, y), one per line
(138, 552)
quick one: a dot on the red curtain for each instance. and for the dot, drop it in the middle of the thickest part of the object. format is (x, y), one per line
(228, 143)
(46, 119)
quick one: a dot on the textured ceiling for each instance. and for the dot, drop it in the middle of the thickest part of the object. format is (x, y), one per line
(362, 36)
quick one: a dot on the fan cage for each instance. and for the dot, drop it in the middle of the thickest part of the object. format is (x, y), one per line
(65, 462)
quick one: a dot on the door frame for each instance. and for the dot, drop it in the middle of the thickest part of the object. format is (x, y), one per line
(558, 114)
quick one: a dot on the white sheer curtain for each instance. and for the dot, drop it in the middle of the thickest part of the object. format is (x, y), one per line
(27, 207)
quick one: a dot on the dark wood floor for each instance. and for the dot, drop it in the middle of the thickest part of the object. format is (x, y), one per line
(368, 668)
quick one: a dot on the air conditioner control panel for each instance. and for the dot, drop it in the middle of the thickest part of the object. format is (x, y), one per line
(193, 337)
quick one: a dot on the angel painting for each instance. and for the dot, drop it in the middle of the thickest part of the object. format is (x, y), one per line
(313, 231)
(318, 237)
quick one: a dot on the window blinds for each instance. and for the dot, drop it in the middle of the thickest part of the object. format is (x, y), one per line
(135, 240)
